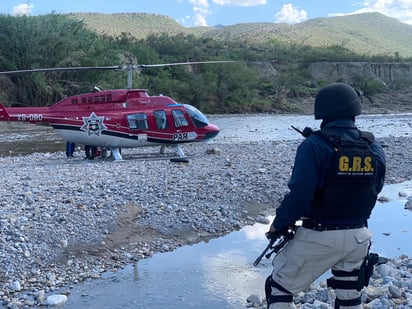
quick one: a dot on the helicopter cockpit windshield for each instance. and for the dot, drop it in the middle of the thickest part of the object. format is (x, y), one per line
(197, 117)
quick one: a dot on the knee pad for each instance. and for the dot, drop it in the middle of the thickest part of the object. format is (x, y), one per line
(339, 284)
(270, 299)
(335, 283)
(347, 302)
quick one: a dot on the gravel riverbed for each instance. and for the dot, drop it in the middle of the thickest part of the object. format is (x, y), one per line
(62, 221)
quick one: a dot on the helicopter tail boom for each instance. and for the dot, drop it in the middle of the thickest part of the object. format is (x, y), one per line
(4, 116)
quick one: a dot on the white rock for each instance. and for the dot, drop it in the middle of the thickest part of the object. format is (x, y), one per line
(40, 296)
(376, 303)
(15, 286)
(56, 300)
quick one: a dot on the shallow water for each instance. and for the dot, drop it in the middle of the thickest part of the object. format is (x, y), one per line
(21, 138)
(241, 128)
(220, 273)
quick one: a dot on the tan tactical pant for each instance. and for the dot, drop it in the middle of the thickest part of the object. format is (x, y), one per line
(311, 253)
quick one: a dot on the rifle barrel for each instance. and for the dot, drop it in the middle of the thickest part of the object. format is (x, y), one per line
(257, 261)
(281, 241)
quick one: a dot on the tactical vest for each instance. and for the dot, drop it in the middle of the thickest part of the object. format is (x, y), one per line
(349, 190)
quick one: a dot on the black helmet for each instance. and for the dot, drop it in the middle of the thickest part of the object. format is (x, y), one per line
(336, 101)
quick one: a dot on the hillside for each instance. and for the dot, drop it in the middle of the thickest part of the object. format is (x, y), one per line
(369, 33)
(139, 25)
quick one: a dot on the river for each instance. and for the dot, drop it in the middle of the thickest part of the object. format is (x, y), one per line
(22, 138)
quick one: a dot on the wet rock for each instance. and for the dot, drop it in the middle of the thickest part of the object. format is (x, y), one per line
(383, 199)
(408, 204)
(254, 301)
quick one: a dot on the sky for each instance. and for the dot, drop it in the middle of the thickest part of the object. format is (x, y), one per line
(191, 13)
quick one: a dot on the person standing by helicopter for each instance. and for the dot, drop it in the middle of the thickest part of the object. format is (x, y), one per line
(70, 147)
(90, 152)
(337, 175)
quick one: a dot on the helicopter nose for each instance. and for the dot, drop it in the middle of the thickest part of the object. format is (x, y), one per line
(212, 131)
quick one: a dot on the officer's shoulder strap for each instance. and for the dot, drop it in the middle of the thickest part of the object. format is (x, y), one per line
(333, 138)
(368, 136)
(328, 136)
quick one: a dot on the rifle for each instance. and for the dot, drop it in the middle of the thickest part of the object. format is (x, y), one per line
(280, 238)
(306, 131)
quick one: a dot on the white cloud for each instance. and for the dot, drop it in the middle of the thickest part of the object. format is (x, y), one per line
(22, 9)
(199, 3)
(399, 9)
(290, 14)
(201, 9)
(240, 2)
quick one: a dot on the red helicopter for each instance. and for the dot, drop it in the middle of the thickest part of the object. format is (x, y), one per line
(123, 118)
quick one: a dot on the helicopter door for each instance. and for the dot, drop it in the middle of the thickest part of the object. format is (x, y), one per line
(161, 119)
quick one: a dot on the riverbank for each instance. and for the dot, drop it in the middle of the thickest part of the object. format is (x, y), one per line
(63, 221)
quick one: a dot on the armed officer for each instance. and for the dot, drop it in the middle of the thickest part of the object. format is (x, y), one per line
(337, 175)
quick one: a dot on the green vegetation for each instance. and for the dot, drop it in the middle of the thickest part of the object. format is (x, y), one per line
(267, 72)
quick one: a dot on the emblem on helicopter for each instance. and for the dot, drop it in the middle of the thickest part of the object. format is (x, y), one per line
(93, 125)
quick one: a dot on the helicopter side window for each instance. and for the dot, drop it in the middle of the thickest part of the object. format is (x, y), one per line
(161, 121)
(137, 121)
(179, 118)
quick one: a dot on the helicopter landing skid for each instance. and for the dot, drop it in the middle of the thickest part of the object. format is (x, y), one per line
(116, 154)
(176, 156)
(179, 150)
(182, 158)
(156, 157)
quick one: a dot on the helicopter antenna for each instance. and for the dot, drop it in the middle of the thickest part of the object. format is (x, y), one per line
(130, 77)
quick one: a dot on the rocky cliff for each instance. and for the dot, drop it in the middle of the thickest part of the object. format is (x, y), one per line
(392, 75)
(395, 80)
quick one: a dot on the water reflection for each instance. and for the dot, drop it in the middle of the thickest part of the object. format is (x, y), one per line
(391, 222)
(220, 274)
(217, 274)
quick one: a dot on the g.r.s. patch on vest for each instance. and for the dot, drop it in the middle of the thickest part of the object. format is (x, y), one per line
(352, 168)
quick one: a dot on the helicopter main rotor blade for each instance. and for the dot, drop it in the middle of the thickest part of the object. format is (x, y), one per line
(130, 68)
(181, 63)
(117, 67)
